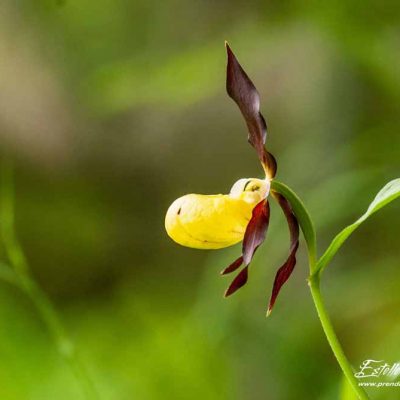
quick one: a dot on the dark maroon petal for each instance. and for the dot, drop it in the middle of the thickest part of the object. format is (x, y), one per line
(286, 269)
(242, 90)
(256, 230)
(233, 267)
(238, 282)
(253, 237)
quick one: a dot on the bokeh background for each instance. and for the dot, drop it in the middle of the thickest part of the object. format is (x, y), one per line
(112, 109)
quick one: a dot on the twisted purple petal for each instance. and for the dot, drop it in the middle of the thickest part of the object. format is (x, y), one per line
(287, 268)
(242, 90)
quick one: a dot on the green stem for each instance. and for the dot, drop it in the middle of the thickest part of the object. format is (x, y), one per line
(25, 282)
(308, 230)
(314, 283)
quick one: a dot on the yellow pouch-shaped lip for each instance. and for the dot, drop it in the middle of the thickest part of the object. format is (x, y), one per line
(214, 221)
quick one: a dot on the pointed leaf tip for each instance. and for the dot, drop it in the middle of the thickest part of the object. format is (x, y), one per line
(387, 194)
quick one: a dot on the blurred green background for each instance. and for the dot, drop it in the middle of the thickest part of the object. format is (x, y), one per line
(112, 109)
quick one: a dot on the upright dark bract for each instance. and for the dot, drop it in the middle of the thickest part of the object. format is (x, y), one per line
(242, 90)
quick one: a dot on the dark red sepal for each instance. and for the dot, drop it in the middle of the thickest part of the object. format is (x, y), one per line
(233, 267)
(286, 269)
(256, 230)
(238, 282)
(242, 90)
(255, 234)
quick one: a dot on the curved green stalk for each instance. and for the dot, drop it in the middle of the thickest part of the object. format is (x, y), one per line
(18, 273)
(314, 283)
(308, 230)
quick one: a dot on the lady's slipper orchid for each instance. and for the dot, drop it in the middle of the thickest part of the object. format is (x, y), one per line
(217, 221)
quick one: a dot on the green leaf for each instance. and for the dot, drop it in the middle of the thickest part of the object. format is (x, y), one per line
(302, 216)
(388, 193)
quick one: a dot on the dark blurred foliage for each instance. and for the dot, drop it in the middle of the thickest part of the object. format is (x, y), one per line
(112, 109)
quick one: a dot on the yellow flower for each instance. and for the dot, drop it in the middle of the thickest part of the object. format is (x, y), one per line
(217, 221)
